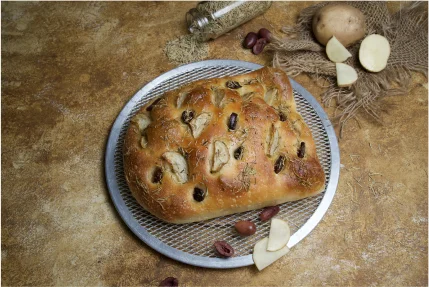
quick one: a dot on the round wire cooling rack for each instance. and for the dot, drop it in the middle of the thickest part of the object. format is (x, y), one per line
(192, 243)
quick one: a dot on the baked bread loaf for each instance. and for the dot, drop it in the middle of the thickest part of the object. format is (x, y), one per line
(221, 146)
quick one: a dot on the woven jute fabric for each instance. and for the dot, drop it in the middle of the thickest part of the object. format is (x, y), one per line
(407, 33)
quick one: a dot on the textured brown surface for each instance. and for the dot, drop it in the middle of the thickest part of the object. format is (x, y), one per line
(67, 71)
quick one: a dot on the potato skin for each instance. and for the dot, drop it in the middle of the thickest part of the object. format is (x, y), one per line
(346, 22)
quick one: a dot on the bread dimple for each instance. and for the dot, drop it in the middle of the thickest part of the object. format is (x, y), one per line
(226, 134)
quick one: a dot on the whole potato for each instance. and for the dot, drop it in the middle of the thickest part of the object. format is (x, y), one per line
(343, 21)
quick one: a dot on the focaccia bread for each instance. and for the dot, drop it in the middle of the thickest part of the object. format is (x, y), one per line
(221, 146)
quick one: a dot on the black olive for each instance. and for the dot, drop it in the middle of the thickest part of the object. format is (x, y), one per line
(233, 85)
(265, 33)
(232, 123)
(250, 40)
(153, 105)
(157, 175)
(169, 282)
(301, 150)
(259, 46)
(280, 164)
(199, 194)
(282, 116)
(187, 116)
(238, 153)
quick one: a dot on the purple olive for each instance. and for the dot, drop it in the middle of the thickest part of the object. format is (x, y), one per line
(245, 227)
(232, 123)
(250, 40)
(169, 282)
(265, 33)
(224, 249)
(259, 46)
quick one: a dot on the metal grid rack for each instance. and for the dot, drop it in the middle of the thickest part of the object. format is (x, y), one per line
(192, 243)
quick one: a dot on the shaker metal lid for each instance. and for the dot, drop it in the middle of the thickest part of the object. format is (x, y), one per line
(195, 20)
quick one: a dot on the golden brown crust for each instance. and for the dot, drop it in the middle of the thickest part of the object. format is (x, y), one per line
(201, 153)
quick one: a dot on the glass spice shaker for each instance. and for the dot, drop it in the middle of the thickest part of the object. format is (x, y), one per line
(211, 19)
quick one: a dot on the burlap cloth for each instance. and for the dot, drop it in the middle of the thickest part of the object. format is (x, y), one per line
(407, 32)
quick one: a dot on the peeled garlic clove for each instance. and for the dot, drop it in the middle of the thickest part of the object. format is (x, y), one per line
(199, 123)
(178, 165)
(271, 96)
(274, 141)
(142, 121)
(220, 157)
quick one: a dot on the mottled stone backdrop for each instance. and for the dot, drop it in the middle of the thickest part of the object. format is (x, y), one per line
(68, 69)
